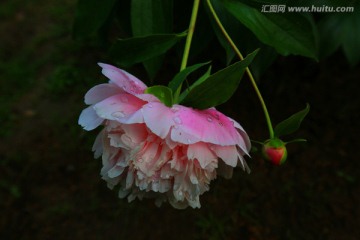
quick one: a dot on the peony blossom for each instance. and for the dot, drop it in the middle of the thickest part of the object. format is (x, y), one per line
(153, 151)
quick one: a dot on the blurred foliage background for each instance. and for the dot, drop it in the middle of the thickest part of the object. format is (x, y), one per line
(49, 182)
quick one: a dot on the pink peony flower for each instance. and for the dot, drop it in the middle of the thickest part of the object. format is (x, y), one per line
(154, 151)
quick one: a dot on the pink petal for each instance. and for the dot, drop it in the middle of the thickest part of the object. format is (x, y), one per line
(136, 132)
(101, 92)
(157, 118)
(98, 144)
(208, 126)
(118, 107)
(123, 79)
(89, 120)
(202, 153)
(228, 154)
(147, 97)
(246, 143)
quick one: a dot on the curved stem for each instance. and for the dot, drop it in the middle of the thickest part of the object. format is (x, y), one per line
(253, 82)
(189, 36)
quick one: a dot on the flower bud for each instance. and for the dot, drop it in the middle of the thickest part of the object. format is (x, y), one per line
(275, 151)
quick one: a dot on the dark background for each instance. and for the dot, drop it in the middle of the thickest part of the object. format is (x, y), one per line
(50, 186)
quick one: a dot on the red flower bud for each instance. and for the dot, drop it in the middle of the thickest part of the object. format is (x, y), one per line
(275, 151)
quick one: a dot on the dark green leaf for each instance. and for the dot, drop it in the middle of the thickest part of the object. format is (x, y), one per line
(247, 44)
(219, 87)
(196, 83)
(138, 49)
(330, 33)
(351, 38)
(163, 93)
(90, 16)
(151, 17)
(266, 56)
(181, 76)
(292, 123)
(288, 33)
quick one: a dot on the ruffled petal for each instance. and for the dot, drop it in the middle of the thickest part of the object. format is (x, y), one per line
(123, 79)
(147, 97)
(89, 120)
(228, 154)
(208, 126)
(245, 144)
(202, 153)
(136, 132)
(101, 92)
(98, 144)
(118, 107)
(158, 118)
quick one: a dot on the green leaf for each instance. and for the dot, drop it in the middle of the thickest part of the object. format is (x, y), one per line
(351, 38)
(138, 49)
(288, 33)
(292, 123)
(151, 17)
(181, 76)
(330, 33)
(163, 93)
(90, 16)
(196, 83)
(219, 87)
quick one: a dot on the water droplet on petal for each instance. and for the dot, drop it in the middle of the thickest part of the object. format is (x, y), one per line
(177, 120)
(175, 109)
(217, 116)
(149, 105)
(140, 160)
(124, 99)
(209, 119)
(221, 124)
(188, 140)
(118, 114)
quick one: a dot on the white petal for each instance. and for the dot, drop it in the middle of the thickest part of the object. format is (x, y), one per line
(89, 120)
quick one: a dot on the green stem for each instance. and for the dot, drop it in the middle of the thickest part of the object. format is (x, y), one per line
(188, 42)
(253, 82)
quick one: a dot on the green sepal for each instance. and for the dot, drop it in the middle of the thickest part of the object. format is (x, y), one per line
(163, 93)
